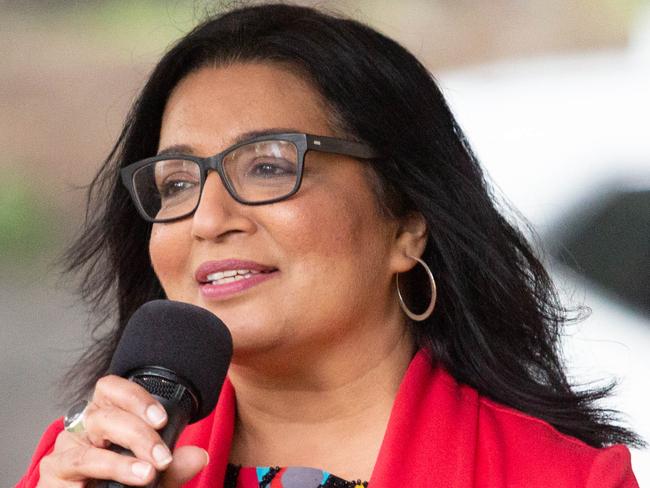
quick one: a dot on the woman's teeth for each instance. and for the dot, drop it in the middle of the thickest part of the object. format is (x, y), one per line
(223, 277)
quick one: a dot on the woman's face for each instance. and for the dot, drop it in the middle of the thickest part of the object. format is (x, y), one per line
(327, 255)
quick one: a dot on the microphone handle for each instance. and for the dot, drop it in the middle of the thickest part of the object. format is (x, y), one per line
(177, 419)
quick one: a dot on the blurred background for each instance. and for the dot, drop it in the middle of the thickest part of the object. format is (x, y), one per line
(554, 95)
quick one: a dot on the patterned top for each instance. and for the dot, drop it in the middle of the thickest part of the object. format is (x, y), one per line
(291, 477)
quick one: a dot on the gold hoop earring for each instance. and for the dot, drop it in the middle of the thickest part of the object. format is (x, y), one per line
(427, 313)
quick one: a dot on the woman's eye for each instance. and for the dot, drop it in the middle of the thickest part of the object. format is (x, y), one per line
(173, 187)
(272, 168)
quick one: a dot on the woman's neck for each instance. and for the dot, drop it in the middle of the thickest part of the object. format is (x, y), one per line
(331, 415)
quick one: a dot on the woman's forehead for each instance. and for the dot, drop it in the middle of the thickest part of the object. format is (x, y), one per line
(220, 104)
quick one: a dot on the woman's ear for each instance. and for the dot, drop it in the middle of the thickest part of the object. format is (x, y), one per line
(410, 240)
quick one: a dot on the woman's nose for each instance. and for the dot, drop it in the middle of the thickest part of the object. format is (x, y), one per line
(219, 214)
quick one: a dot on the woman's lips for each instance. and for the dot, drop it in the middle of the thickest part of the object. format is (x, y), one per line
(221, 279)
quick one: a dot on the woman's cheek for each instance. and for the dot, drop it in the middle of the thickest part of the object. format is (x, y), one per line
(168, 251)
(323, 220)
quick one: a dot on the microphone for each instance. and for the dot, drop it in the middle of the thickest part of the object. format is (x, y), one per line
(180, 354)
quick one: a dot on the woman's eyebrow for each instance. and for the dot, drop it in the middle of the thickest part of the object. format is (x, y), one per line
(244, 136)
(175, 149)
(265, 132)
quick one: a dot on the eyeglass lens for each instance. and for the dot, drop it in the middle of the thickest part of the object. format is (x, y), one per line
(257, 172)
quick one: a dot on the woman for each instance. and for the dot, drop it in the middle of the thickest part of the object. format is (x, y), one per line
(300, 175)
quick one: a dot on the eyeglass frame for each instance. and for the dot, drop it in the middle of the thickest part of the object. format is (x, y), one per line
(303, 142)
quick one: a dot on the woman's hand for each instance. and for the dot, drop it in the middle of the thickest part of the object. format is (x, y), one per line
(123, 413)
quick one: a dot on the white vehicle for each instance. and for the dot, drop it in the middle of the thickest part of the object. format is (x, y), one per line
(554, 134)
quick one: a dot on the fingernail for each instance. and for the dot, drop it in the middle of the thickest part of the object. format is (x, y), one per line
(156, 415)
(141, 470)
(207, 458)
(162, 455)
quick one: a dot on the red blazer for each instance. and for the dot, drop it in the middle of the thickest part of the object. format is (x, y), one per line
(440, 433)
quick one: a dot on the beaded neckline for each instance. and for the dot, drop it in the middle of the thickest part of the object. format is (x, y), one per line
(286, 477)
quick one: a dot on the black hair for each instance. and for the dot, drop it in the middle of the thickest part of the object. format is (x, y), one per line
(498, 319)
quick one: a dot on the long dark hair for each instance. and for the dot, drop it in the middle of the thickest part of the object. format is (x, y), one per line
(497, 322)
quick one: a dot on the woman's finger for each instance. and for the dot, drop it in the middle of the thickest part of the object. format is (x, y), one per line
(188, 461)
(84, 462)
(110, 424)
(119, 392)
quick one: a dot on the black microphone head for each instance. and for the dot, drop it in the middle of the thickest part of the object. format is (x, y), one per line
(185, 339)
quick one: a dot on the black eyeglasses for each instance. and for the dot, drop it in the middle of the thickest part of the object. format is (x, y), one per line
(265, 169)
